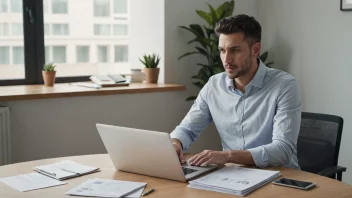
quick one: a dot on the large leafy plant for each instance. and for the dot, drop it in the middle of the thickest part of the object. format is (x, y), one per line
(206, 42)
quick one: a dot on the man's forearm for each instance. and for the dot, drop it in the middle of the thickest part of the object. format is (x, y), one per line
(240, 157)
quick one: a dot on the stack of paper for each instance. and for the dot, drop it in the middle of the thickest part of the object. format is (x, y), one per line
(108, 188)
(234, 180)
(65, 170)
(30, 181)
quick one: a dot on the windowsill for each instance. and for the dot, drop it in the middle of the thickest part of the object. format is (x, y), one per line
(63, 90)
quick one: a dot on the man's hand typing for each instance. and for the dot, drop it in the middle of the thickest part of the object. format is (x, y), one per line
(209, 157)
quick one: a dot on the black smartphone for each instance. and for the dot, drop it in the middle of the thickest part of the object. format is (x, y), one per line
(304, 185)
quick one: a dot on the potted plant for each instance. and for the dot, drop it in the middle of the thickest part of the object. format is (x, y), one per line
(151, 69)
(49, 74)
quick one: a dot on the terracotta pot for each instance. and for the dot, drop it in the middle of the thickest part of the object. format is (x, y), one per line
(49, 78)
(151, 75)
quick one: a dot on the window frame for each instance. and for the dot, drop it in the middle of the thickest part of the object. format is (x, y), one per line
(77, 53)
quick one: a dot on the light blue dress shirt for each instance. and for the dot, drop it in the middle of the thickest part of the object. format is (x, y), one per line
(265, 120)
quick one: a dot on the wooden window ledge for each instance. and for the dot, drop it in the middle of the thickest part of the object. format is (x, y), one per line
(61, 90)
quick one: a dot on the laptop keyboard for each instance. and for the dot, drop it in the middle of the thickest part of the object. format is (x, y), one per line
(187, 171)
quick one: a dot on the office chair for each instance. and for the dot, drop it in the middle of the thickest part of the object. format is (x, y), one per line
(318, 144)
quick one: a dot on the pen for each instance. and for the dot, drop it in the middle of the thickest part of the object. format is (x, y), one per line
(69, 171)
(148, 192)
(53, 174)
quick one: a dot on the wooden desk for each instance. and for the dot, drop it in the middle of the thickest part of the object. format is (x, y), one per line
(165, 188)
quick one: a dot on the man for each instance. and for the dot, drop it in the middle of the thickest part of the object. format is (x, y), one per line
(256, 109)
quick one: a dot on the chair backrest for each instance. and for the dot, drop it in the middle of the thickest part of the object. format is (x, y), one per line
(319, 140)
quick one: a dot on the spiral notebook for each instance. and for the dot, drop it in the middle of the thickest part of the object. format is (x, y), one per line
(65, 170)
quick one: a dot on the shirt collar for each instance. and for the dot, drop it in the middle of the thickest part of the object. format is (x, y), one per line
(257, 80)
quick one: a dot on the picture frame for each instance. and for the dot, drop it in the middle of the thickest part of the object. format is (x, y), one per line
(346, 5)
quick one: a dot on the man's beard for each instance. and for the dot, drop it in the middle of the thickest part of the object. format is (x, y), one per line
(247, 66)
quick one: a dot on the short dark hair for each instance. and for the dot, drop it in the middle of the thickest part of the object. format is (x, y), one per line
(241, 23)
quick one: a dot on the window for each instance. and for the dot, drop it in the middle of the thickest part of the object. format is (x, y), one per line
(16, 5)
(82, 54)
(17, 29)
(48, 58)
(81, 37)
(46, 6)
(59, 6)
(102, 30)
(18, 55)
(103, 54)
(46, 29)
(4, 55)
(121, 53)
(3, 5)
(101, 8)
(120, 30)
(120, 6)
(55, 54)
(59, 54)
(60, 29)
(4, 29)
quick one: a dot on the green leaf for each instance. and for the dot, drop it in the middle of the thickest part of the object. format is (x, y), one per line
(222, 10)
(150, 61)
(218, 70)
(203, 76)
(231, 7)
(198, 84)
(192, 31)
(187, 54)
(213, 15)
(209, 31)
(264, 56)
(202, 41)
(202, 51)
(195, 77)
(197, 28)
(205, 16)
(49, 67)
(202, 65)
(269, 64)
(191, 98)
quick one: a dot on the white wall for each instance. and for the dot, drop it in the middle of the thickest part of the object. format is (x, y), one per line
(147, 26)
(312, 40)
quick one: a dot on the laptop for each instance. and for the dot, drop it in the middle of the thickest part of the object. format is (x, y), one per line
(147, 153)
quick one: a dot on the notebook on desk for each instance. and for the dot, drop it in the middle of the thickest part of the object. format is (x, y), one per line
(65, 170)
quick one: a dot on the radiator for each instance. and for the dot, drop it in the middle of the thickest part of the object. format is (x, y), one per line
(5, 141)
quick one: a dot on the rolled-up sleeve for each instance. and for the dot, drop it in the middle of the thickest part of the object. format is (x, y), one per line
(196, 120)
(285, 129)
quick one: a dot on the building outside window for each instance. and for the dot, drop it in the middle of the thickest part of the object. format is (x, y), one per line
(121, 53)
(82, 54)
(18, 55)
(59, 6)
(101, 8)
